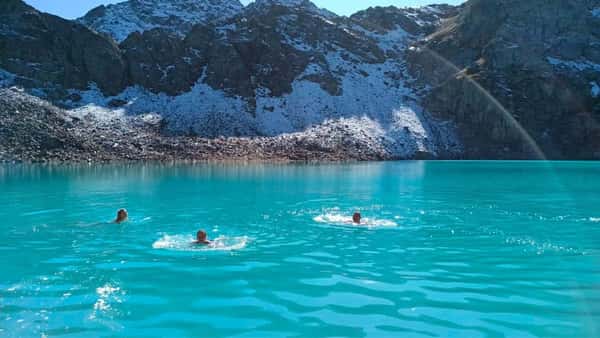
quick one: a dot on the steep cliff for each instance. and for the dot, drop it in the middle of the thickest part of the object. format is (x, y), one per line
(520, 78)
(46, 51)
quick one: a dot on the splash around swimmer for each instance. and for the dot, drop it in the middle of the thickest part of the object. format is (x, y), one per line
(354, 220)
(220, 243)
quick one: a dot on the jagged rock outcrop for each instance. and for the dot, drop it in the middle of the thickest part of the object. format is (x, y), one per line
(518, 77)
(175, 16)
(423, 20)
(46, 51)
(272, 45)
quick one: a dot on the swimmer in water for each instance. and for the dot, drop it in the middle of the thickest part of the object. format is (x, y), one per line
(356, 218)
(121, 216)
(201, 238)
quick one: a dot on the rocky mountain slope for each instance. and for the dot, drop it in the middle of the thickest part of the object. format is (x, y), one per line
(489, 79)
(46, 51)
(175, 16)
(33, 130)
(521, 78)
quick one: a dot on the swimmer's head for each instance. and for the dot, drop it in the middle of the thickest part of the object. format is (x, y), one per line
(201, 236)
(356, 217)
(121, 216)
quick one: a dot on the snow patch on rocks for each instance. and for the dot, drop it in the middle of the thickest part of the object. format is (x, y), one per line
(202, 110)
(415, 13)
(178, 16)
(580, 65)
(376, 108)
(394, 40)
(374, 94)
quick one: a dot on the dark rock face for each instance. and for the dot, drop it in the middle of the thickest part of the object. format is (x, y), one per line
(244, 53)
(516, 76)
(161, 62)
(50, 51)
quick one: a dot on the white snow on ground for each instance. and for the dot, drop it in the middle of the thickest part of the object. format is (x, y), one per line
(581, 65)
(394, 40)
(414, 12)
(595, 91)
(387, 112)
(203, 110)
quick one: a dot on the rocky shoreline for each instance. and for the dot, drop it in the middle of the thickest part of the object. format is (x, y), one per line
(34, 131)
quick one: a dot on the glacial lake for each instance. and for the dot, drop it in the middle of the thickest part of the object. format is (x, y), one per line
(448, 249)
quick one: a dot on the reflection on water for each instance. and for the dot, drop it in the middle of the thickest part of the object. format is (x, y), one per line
(478, 249)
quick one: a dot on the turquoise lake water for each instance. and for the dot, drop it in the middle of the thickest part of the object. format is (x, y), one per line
(450, 249)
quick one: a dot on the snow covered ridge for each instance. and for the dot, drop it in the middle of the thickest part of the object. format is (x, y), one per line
(178, 16)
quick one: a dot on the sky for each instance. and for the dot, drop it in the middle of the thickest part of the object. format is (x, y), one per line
(72, 9)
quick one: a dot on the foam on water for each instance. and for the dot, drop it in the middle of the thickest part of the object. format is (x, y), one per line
(539, 246)
(343, 220)
(186, 243)
(107, 296)
(595, 219)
